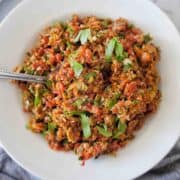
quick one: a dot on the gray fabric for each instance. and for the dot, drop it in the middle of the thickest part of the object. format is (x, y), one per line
(167, 169)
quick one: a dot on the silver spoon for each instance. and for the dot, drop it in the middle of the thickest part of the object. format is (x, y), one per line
(22, 77)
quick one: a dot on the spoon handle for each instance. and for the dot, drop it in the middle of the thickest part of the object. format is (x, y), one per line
(22, 77)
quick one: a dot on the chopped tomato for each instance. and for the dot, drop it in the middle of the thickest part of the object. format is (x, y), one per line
(130, 88)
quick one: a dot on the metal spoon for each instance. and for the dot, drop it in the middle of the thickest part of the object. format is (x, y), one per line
(22, 77)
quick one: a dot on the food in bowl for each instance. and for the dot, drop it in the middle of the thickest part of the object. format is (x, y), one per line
(102, 83)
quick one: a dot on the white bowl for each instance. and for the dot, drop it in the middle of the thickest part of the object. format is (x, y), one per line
(18, 32)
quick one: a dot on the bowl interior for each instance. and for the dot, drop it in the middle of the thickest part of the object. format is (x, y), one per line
(18, 33)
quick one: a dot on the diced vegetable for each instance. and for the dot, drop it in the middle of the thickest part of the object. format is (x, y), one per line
(85, 124)
(121, 128)
(52, 126)
(68, 44)
(37, 99)
(97, 100)
(89, 75)
(104, 131)
(109, 49)
(85, 121)
(127, 67)
(114, 100)
(70, 30)
(48, 83)
(119, 51)
(114, 45)
(78, 103)
(147, 38)
(44, 133)
(77, 67)
(83, 36)
(135, 101)
(127, 64)
(28, 70)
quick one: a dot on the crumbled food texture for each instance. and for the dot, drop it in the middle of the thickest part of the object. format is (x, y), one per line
(102, 83)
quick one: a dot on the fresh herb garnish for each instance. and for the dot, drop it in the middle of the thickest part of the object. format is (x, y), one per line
(69, 30)
(121, 128)
(147, 38)
(127, 64)
(104, 130)
(127, 67)
(135, 101)
(114, 46)
(37, 99)
(78, 103)
(52, 127)
(77, 67)
(85, 121)
(44, 133)
(97, 101)
(28, 70)
(83, 36)
(48, 83)
(109, 49)
(68, 44)
(85, 124)
(119, 51)
(90, 75)
(114, 100)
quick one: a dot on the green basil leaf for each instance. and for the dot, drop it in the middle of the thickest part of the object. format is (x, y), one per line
(77, 67)
(109, 49)
(83, 36)
(85, 124)
(104, 131)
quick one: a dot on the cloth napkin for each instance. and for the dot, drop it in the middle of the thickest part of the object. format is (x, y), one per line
(167, 169)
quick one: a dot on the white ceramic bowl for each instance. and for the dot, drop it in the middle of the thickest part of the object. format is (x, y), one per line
(18, 32)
